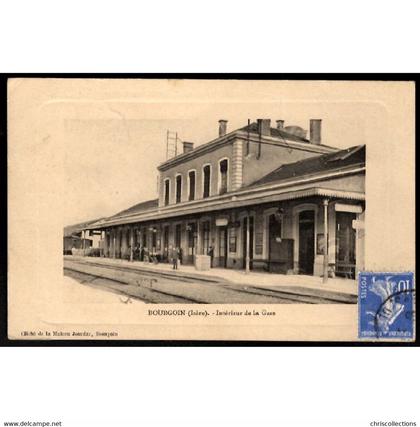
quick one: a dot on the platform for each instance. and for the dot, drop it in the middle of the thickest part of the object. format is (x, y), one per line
(240, 277)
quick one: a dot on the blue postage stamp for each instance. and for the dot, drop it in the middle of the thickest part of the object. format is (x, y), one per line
(386, 305)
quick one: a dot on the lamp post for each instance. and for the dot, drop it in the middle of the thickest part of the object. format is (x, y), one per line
(325, 269)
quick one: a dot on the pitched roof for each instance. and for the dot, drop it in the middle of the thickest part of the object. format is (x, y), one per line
(282, 136)
(275, 133)
(138, 208)
(69, 230)
(353, 155)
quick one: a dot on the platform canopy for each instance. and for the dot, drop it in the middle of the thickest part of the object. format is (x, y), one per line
(223, 203)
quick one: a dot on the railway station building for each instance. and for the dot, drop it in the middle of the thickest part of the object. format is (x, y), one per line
(261, 197)
(73, 237)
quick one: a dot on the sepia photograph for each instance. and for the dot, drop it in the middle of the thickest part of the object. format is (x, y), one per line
(211, 209)
(241, 218)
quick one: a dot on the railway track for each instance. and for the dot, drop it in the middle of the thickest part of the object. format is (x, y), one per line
(144, 294)
(161, 287)
(298, 298)
(149, 273)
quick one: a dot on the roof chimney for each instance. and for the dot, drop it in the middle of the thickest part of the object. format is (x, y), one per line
(315, 131)
(264, 127)
(280, 124)
(188, 146)
(222, 127)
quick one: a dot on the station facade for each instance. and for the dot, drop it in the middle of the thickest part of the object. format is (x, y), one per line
(261, 197)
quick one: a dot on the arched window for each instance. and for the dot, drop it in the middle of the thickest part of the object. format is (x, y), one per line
(178, 188)
(223, 176)
(191, 185)
(206, 181)
(166, 191)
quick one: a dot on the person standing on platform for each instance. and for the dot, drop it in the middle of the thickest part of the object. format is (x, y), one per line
(175, 258)
(210, 253)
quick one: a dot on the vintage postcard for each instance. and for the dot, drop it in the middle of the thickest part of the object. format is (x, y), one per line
(193, 209)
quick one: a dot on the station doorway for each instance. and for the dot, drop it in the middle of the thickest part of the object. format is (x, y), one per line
(306, 242)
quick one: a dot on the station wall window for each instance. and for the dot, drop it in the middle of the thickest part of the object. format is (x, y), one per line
(232, 239)
(191, 188)
(192, 237)
(178, 190)
(166, 191)
(223, 179)
(206, 181)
